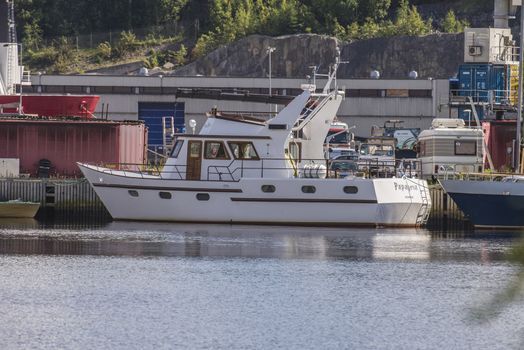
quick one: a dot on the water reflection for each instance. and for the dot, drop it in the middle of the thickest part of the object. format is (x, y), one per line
(225, 241)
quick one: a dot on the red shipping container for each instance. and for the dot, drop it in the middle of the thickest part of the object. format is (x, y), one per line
(65, 142)
(500, 138)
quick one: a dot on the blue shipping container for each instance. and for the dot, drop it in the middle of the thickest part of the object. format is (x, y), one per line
(152, 112)
(480, 81)
(499, 82)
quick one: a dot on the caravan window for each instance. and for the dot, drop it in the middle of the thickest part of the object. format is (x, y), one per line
(216, 150)
(465, 148)
(422, 148)
(177, 148)
(243, 150)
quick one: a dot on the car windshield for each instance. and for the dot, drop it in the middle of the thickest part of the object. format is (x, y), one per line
(343, 165)
(343, 137)
(376, 150)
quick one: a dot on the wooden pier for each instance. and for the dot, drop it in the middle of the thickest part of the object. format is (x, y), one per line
(445, 215)
(74, 199)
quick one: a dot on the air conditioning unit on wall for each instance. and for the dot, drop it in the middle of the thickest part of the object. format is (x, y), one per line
(475, 50)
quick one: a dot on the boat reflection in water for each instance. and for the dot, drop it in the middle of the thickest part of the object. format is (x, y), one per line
(246, 241)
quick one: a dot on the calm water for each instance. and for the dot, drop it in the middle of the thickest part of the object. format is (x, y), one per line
(165, 286)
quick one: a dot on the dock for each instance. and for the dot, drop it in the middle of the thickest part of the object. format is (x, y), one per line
(60, 199)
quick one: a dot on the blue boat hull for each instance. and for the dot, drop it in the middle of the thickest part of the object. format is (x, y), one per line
(489, 203)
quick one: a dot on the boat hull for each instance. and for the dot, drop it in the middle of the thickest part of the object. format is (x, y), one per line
(489, 204)
(52, 105)
(383, 202)
(16, 209)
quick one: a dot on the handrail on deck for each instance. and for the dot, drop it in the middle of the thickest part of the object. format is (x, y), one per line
(237, 169)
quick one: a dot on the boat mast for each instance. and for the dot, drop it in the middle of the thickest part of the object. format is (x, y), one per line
(519, 107)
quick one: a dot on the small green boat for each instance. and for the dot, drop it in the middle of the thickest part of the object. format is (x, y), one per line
(18, 209)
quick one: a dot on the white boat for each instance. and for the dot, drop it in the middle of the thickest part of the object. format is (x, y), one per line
(18, 209)
(242, 170)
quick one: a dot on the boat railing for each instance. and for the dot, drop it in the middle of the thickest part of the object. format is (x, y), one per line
(221, 171)
(486, 176)
(266, 167)
(146, 170)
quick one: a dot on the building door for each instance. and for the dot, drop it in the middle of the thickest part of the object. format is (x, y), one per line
(152, 114)
(194, 160)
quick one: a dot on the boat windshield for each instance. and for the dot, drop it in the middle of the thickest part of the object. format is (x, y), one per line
(177, 148)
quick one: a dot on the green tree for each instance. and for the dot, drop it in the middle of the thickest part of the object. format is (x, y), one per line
(369, 29)
(410, 22)
(451, 24)
(375, 9)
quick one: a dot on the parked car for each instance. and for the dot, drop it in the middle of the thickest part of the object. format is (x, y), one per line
(351, 155)
(342, 168)
(335, 152)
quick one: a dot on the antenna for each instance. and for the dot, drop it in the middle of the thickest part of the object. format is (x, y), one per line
(11, 21)
(332, 76)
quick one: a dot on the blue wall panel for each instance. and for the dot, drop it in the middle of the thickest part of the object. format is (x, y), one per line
(153, 112)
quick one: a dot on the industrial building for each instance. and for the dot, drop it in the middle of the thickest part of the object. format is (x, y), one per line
(368, 102)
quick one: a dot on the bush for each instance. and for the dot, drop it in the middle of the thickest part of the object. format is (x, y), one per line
(128, 43)
(103, 51)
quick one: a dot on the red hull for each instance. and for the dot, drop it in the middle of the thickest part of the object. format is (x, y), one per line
(52, 105)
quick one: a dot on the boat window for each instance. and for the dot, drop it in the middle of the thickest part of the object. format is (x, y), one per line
(133, 193)
(268, 188)
(309, 189)
(202, 196)
(243, 150)
(350, 189)
(215, 150)
(164, 195)
(465, 148)
(177, 148)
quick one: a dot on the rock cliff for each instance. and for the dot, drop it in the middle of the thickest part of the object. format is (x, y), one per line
(436, 56)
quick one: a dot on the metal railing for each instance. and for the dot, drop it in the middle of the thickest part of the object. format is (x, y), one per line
(239, 168)
(488, 176)
(492, 97)
(505, 53)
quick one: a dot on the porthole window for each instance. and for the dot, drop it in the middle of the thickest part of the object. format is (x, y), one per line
(350, 189)
(165, 195)
(268, 188)
(309, 189)
(202, 196)
(133, 193)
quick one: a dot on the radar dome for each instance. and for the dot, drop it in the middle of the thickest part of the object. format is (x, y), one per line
(375, 74)
(413, 74)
